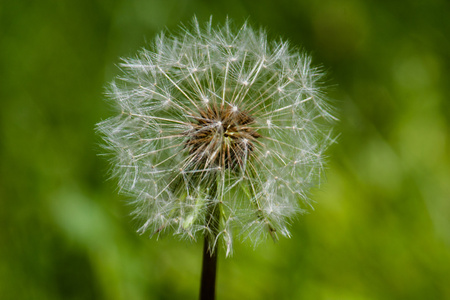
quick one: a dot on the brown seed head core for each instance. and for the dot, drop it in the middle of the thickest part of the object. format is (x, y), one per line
(221, 137)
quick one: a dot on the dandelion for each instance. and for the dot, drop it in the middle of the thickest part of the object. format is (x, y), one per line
(220, 133)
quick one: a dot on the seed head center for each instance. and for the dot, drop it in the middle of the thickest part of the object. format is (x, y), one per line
(221, 137)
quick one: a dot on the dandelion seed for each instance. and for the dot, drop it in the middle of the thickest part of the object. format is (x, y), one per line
(218, 133)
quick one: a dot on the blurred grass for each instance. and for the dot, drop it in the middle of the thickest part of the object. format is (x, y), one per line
(381, 227)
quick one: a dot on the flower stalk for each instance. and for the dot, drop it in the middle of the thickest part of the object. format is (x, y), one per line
(209, 271)
(210, 253)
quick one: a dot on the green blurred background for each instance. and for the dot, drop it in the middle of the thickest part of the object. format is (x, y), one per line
(381, 225)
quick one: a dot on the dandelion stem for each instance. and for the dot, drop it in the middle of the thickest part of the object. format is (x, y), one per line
(208, 281)
(210, 249)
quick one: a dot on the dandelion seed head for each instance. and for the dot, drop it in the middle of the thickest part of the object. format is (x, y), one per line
(218, 119)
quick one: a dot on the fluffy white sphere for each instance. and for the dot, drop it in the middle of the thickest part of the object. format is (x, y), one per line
(218, 132)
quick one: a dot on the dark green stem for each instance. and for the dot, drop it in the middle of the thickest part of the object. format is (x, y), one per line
(209, 268)
(209, 265)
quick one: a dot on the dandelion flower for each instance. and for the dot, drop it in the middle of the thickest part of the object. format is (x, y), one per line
(219, 133)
